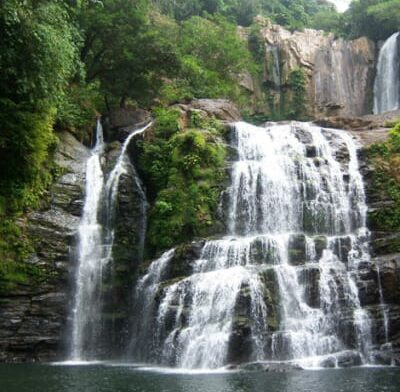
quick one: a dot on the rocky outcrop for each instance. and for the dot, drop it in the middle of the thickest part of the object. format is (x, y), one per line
(221, 109)
(339, 73)
(368, 129)
(33, 317)
(121, 121)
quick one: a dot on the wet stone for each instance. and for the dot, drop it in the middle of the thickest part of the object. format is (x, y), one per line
(297, 249)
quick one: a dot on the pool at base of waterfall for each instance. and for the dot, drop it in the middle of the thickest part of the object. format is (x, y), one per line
(130, 378)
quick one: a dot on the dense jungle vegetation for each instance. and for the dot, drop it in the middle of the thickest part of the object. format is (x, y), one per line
(63, 61)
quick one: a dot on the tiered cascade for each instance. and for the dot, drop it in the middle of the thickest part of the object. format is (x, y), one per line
(282, 285)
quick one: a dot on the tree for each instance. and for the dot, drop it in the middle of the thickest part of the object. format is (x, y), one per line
(210, 64)
(38, 55)
(125, 50)
(377, 19)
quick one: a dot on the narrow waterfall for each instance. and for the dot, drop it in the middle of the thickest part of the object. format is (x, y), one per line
(282, 284)
(384, 307)
(111, 190)
(273, 53)
(95, 246)
(387, 81)
(91, 258)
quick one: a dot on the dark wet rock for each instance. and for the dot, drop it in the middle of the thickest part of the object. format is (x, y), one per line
(311, 151)
(263, 252)
(384, 243)
(343, 359)
(273, 367)
(320, 243)
(309, 278)
(297, 249)
(341, 248)
(182, 262)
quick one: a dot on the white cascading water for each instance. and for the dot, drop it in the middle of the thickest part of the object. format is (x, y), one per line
(111, 188)
(95, 243)
(91, 257)
(387, 81)
(292, 183)
(273, 51)
(384, 307)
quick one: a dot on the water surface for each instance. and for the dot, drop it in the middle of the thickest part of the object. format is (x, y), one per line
(119, 378)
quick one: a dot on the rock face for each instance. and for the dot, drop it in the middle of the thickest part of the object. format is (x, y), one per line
(220, 109)
(33, 318)
(380, 287)
(339, 73)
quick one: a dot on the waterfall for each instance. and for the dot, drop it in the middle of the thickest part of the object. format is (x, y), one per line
(273, 55)
(111, 190)
(91, 258)
(282, 284)
(387, 81)
(384, 307)
(95, 244)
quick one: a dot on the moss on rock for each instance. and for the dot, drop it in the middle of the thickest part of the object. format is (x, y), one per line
(385, 159)
(184, 171)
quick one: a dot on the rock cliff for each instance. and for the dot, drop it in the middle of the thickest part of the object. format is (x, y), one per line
(339, 73)
(33, 317)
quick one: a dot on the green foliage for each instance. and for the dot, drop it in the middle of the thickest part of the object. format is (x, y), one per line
(76, 110)
(256, 44)
(377, 19)
(37, 50)
(298, 105)
(184, 172)
(125, 50)
(26, 141)
(155, 160)
(15, 248)
(294, 14)
(385, 157)
(37, 57)
(328, 20)
(209, 64)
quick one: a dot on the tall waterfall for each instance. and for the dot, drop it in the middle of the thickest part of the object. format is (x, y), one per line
(282, 285)
(387, 81)
(91, 258)
(95, 245)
